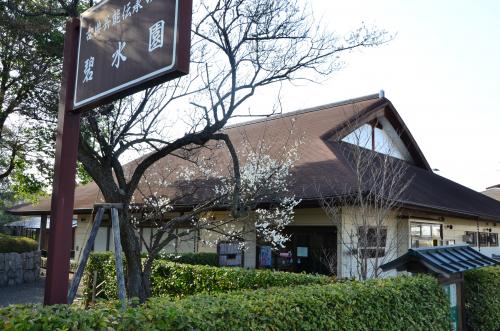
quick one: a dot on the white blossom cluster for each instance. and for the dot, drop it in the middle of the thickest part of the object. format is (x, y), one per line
(271, 222)
(265, 179)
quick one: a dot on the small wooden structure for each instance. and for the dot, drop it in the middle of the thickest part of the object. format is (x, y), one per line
(120, 278)
(447, 264)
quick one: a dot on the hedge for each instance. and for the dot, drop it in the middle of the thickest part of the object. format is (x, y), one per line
(482, 299)
(13, 244)
(179, 280)
(210, 259)
(202, 258)
(403, 303)
(175, 279)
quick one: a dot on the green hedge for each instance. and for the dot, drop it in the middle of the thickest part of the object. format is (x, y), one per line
(178, 280)
(482, 299)
(175, 279)
(104, 266)
(405, 303)
(210, 259)
(12, 244)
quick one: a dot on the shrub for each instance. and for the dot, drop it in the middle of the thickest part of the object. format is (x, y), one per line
(12, 244)
(179, 280)
(210, 259)
(405, 303)
(482, 299)
(101, 265)
(175, 279)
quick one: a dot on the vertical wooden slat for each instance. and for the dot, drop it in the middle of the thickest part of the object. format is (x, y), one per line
(83, 262)
(120, 277)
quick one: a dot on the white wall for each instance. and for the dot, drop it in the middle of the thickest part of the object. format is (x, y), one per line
(346, 239)
(460, 226)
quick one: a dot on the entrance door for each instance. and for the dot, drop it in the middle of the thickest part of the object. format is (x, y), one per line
(311, 249)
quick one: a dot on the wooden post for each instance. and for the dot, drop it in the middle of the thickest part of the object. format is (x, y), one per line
(86, 252)
(120, 278)
(94, 285)
(43, 232)
(63, 193)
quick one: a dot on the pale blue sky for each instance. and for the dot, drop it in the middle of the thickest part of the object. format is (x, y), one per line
(441, 72)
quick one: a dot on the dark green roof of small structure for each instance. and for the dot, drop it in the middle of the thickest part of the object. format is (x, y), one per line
(443, 260)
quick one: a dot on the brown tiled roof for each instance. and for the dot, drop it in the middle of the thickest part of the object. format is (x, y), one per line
(321, 160)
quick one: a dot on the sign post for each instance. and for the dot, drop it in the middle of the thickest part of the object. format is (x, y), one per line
(61, 216)
(115, 49)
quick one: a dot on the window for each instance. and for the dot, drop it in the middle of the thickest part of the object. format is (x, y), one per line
(483, 238)
(493, 239)
(486, 239)
(426, 235)
(372, 241)
(470, 238)
(380, 136)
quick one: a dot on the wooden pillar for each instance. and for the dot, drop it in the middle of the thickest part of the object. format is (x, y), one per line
(43, 232)
(63, 192)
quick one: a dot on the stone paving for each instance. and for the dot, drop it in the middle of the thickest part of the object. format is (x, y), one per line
(23, 293)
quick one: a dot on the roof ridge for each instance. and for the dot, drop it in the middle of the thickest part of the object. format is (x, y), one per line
(304, 111)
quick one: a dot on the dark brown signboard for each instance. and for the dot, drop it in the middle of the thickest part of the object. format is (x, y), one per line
(129, 45)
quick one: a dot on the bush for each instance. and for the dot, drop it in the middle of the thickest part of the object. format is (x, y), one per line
(175, 279)
(103, 264)
(405, 303)
(482, 299)
(12, 244)
(179, 280)
(210, 259)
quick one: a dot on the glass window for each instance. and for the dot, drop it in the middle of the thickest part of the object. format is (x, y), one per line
(372, 241)
(380, 136)
(470, 238)
(426, 231)
(493, 239)
(415, 230)
(362, 137)
(483, 239)
(436, 231)
(426, 235)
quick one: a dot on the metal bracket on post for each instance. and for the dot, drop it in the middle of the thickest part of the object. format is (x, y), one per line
(120, 277)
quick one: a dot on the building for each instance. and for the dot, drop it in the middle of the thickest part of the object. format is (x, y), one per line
(431, 211)
(493, 192)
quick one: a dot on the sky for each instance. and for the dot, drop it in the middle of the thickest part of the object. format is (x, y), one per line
(441, 72)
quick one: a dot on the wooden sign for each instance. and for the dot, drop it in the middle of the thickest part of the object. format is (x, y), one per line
(128, 45)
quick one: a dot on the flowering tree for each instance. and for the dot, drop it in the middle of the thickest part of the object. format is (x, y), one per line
(238, 47)
(266, 204)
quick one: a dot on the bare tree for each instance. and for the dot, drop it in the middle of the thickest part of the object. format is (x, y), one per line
(238, 47)
(364, 208)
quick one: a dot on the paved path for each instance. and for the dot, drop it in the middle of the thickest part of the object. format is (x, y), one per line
(23, 293)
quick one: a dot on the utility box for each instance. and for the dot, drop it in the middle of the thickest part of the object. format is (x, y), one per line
(230, 254)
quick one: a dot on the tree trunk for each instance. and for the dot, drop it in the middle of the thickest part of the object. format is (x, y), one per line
(132, 251)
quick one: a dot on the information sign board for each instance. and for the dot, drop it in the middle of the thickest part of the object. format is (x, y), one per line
(128, 45)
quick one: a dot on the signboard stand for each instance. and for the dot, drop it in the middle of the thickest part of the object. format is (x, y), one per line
(63, 192)
(115, 49)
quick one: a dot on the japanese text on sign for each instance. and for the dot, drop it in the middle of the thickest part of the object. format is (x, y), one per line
(124, 43)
